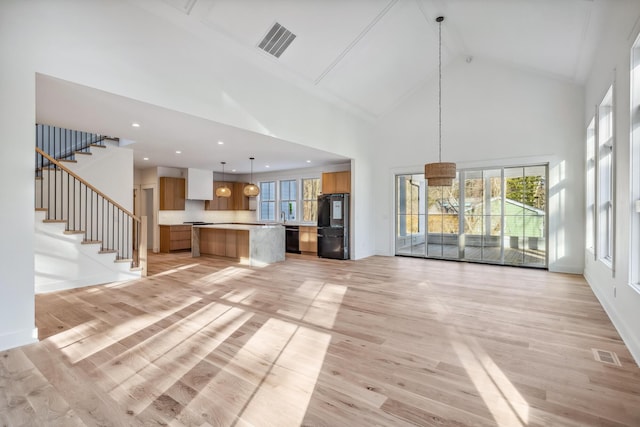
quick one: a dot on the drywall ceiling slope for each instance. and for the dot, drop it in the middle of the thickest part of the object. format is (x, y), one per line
(370, 54)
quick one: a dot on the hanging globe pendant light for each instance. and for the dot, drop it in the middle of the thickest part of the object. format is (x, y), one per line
(251, 190)
(223, 191)
(441, 173)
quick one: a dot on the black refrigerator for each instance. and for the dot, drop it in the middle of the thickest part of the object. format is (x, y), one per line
(333, 226)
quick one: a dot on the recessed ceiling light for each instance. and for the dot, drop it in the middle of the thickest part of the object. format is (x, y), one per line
(308, 161)
(178, 152)
(233, 170)
(145, 158)
(220, 142)
(135, 125)
(267, 166)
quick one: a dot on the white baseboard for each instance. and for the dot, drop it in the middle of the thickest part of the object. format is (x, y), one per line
(570, 269)
(18, 338)
(626, 333)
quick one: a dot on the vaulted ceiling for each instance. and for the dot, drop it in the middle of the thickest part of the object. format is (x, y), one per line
(373, 53)
(370, 55)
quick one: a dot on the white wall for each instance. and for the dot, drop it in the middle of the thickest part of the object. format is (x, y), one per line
(619, 299)
(17, 136)
(110, 170)
(63, 262)
(492, 115)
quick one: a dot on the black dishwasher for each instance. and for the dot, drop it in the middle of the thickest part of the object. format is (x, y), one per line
(292, 238)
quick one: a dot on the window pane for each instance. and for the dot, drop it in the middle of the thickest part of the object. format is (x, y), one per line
(267, 201)
(605, 178)
(310, 192)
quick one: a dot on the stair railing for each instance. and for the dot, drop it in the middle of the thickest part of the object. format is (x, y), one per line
(86, 210)
(63, 144)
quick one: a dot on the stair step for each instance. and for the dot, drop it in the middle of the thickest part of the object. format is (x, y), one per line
(74, 232)
(123, 260)
(42, 209)
(108, 251)
(135, 269)
(91, 242)
(55, 220)
(67, 161)
(86, 153)
(38, 178)
(98, 145)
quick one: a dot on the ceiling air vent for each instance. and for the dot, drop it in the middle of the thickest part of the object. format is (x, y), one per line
(277, 40)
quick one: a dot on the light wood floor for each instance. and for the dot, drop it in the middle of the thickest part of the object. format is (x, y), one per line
(378, 342)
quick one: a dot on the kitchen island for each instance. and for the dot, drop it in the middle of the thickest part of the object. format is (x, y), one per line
(255, 245)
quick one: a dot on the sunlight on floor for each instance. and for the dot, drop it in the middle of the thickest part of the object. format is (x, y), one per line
(97, 340)
(267, 370)
(223, 276)
(175, 270)
(285, 361)
(167, 357)
(502, 399)
(238, 295)
(323, 303)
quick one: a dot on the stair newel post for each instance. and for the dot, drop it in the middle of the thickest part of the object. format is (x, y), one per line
(142, 246)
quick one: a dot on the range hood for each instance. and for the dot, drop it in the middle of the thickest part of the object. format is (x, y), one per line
(199, 184)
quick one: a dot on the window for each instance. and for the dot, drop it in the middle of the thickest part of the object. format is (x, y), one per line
(605, 169)
(634, 261)
(310, 192)
(591, 185)
(288, 199)
(268, 201)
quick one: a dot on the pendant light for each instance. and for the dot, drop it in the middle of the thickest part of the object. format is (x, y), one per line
(439, 174)
(251, 190)
(223, 191)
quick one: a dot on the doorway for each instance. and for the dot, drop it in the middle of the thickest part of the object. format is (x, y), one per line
(148, 211)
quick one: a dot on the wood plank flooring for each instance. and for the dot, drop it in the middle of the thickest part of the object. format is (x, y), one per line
(385, 341)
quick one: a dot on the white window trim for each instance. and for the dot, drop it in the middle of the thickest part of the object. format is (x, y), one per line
(607, 259)
(299, 199)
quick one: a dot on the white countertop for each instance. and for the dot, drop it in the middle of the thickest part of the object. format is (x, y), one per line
(238, 226)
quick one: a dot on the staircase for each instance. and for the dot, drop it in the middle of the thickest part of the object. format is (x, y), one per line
(83, 237)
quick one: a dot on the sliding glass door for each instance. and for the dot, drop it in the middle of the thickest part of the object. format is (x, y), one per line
(495, 215)
(410, 215)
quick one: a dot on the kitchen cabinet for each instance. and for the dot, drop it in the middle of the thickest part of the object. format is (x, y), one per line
(175, 237)
(336, 182)
(240, 201)
(172, 194)
(237, 202)
(308, 239)
(224, 243)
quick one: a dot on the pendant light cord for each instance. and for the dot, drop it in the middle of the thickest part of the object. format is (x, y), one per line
(440, 19)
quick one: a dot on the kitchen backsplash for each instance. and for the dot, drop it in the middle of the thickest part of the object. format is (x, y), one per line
(194, 211)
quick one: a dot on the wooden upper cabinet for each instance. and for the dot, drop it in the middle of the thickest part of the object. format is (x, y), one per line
(240, 201)
(237, 201)
(336, 182)
(172, 193)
